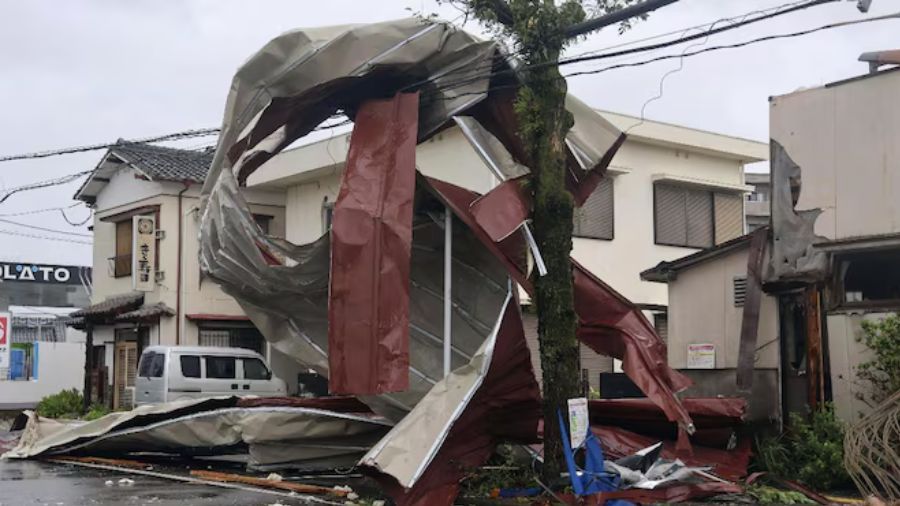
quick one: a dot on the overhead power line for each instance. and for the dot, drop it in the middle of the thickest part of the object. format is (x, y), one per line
(39, 211)
(44, 237)
(43, 229)
(623, 14)
(44, 184)
(187, 134)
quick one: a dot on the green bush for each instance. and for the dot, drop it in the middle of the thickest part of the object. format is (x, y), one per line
(883, 371)
(96, 411)
(811, 451)
(65, 404)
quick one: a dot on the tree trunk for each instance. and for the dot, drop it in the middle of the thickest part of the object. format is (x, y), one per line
(544, 122)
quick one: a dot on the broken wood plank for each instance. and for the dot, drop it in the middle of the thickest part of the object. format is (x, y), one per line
(750, 316)
(130, 464)
(300, 488)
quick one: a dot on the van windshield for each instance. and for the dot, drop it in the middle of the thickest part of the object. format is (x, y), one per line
(220, 367)
(152, 365)
(255, 369)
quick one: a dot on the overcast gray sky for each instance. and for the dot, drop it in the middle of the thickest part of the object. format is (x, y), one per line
(80, 71)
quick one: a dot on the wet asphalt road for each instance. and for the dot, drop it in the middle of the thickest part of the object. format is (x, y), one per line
(39, 483)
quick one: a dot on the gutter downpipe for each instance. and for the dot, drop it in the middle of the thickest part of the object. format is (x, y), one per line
(179, 313)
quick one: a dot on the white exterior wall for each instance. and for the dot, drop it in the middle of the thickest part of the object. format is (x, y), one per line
(845, 354)
(449, 157)
(702, 310)
(60, 367)
(844, 138)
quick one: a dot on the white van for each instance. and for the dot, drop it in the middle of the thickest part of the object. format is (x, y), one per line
(172, 373)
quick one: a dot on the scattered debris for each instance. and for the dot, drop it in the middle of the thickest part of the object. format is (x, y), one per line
(125, 482)
(299, 488)
(274, 477)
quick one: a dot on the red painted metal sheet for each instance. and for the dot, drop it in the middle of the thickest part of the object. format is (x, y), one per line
(608, 322)
(673, 494)
(714, 418)
(505, 408)
(612, 325)
(371, 237)
(503, 210)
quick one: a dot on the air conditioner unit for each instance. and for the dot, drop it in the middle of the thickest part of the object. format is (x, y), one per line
(160, 234)
(160, 276)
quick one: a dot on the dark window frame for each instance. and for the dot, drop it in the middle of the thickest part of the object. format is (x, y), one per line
(612, 218)
(233, 360)
(121, 264)
(842, 263)
(264, 222)
(152, 365)
(711, 192)
(199, 366)
(262, 364)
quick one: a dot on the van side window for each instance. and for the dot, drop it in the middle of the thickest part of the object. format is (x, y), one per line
(255, 369)
(190, 366)
(220, 367)
(152, 365)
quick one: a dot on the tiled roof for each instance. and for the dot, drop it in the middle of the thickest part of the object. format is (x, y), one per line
(146, 312)
(113, 305)
(166, 164)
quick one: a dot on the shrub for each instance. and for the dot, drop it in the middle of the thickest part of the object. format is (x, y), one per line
(883, 371)
(65, 404)
(96, 411)
(811, 451)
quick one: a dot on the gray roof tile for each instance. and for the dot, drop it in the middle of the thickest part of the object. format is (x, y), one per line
(166, 164)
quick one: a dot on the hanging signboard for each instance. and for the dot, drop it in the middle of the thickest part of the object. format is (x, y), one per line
(701, 356)
(578, 421)
(43, 273)
(143, 257)
(5, 340)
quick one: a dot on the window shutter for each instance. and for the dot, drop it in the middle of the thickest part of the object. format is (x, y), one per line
(699, 218)
(671, 226)
(122, 260)
(595, 218)
(729, 211)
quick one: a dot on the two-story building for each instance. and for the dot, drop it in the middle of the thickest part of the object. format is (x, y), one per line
(831, 261)
(168, 301)
(670, 191)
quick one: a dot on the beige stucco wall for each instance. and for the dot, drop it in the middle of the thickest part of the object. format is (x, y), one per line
(701, 310)
(845, 354)
(205, 297)
(844, 138)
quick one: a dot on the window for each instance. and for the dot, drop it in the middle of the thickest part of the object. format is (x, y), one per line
(327, 215)
(190, 366)
(595, 219)
(220, 367)
(263, 221)
(661, 324)
(122, 260)
(870, 278)
(695, 217)
(242, 336)
(152, 365)
(255, 369)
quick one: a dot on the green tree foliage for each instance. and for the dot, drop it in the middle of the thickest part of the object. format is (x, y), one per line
(883, 371)
(536, 31)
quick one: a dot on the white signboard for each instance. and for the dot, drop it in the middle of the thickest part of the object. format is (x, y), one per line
(143, 256)
(5, 340)
(701, 356)
(578, 421)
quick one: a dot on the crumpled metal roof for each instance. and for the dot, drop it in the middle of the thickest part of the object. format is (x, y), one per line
(166, 164)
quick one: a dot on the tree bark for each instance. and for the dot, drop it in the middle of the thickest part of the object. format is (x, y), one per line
(544, 122)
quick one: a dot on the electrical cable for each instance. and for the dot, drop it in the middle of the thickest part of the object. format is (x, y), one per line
(38, 211)
(790, 7)
(44, 184)
(43, 229)
(44, 237)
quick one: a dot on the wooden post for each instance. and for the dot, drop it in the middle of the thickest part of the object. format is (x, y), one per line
(88, 364)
